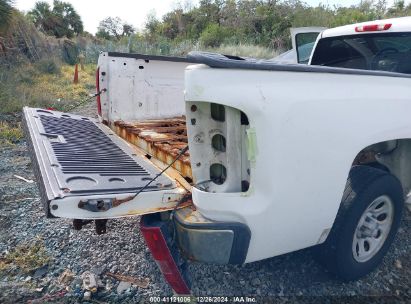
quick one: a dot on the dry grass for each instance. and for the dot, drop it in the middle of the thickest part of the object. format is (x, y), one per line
(10, 134)
(27, 86)
(26, 258)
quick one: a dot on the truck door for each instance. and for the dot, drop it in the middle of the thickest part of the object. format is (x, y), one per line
(303, 40)
(85, 171)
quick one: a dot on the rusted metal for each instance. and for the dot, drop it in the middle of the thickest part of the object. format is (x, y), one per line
(162, 139)
(185, 204)
(118, 202)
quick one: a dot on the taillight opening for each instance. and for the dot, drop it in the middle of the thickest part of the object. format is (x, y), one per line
(98, 99)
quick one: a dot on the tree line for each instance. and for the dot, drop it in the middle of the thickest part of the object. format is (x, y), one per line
(261, 22)
(211, 22)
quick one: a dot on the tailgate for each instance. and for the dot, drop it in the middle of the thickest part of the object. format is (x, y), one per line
(85, 171)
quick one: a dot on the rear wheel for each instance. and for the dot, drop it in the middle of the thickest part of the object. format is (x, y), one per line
(366, 223)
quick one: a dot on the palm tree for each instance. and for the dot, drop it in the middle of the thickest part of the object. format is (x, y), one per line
(61, 20)
(6, 11)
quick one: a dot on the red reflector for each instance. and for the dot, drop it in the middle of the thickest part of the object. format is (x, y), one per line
(373, 27)
(161, 253)
(98, 91)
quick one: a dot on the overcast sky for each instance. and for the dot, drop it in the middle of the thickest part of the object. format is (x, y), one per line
(135, 12)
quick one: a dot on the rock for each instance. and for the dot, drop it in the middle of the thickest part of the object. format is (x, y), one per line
(40, 272)
(87, 296)
(76, 283)
(123, 286)
(256, 282)
(66, 277)
(114, 268)
(108, 286)
(89, 281)
(398, 264)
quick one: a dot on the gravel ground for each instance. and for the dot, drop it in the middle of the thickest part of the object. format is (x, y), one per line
(296, 277)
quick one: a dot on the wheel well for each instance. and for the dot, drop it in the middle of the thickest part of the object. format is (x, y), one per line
(393, 156)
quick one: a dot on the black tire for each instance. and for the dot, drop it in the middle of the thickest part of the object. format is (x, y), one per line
(364, 185)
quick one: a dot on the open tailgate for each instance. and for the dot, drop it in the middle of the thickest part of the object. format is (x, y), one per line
(85, 171)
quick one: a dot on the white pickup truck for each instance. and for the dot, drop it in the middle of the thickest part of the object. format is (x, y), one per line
(234, 160)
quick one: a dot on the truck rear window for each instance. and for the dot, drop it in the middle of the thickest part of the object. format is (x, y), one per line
(384, 52)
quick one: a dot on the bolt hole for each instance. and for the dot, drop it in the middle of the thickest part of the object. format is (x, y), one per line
(245, 185)
(193, 108)
(218, 173)
(218, 142)
(141, 67)
(54, 207)
(193, 121)
(217, 112)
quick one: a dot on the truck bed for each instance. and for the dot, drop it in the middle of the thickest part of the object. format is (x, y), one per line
(160, 138)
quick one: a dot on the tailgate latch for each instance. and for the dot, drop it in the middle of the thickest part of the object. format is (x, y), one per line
(96, 205)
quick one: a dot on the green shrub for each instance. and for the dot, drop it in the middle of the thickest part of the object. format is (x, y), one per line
(48, 66)
(213, 35)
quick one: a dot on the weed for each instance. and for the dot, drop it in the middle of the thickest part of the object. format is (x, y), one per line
(10, 134)
(26, 257)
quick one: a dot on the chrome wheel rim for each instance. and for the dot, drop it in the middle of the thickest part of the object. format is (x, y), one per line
(373, 229)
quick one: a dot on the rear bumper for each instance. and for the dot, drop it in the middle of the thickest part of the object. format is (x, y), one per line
(206, 241)
(194, 238)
